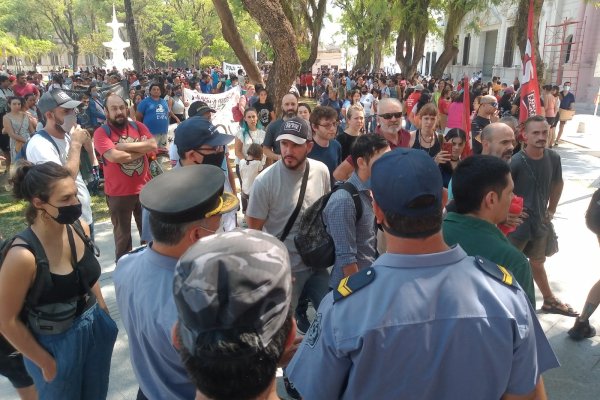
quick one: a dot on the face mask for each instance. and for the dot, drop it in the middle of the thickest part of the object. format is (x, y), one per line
(567, 88)
(69, 122)
(215, 159)
(178, 94)
(67, 214)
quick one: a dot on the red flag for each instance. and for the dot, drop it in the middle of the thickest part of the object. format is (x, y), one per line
(530, 90)
(468, 150)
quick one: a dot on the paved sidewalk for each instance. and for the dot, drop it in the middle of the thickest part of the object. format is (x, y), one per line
(571, 272)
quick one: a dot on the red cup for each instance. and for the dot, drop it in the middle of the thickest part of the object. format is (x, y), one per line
(516, 207)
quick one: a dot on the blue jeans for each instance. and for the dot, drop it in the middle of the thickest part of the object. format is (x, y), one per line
(82, 355)
(314, 283)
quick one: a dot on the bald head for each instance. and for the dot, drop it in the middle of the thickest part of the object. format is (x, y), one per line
(498, 140)
(289, 106)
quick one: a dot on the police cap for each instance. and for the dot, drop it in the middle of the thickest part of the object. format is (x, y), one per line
(188, 194)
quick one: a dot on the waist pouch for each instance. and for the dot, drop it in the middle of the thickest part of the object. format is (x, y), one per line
(56, 318)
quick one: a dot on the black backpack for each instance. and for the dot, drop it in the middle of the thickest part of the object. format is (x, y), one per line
(43, 278)
(314, 244)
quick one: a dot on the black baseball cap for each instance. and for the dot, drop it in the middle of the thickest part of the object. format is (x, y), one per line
(197, 131)
(296, 130)
(199, 108)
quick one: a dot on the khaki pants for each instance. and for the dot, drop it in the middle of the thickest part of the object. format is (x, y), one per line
(121, 208)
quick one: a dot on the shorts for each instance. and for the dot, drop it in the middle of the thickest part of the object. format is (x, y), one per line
(531, 240)
(13, 368)
(555, 122)
(550, 120)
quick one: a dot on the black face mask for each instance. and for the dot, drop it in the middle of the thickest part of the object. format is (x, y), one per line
(67, 215)
(215, 159)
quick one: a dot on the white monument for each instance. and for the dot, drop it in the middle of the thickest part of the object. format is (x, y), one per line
(117, 46)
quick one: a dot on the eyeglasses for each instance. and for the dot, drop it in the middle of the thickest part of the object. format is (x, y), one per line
(391, 115)
(328, 126)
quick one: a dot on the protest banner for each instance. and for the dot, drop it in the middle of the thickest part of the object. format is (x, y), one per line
(222, 103)
(232, 69)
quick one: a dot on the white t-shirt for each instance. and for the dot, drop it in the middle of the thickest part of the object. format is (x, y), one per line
(274, 196)
(258, 137)
(249, 171)
(366, 100)
(40, 150)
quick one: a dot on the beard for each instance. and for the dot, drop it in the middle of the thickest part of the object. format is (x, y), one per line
(119, 121)
(292, 162)
(290, 113)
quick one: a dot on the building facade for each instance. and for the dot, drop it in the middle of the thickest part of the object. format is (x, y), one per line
(569, 32)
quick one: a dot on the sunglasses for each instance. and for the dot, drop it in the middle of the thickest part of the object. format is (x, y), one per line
(391, 115)
(492, 104)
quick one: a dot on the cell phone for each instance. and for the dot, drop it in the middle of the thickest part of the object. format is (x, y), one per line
(447, 147)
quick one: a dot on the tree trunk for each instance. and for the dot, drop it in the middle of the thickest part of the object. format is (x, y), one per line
(138, 60)
(364, 55)
(415, 45)
(447, 55)
(275, 25)
(377, 55)
(75, 55)
(456, 15)
(521, 32)
(232, 36)
(316, 24)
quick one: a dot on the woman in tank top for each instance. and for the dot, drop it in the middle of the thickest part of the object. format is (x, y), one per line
(426, 138)
(17, 125)
(68, 357)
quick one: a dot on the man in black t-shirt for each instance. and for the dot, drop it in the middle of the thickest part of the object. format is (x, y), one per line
(488, 108)
(289, 107)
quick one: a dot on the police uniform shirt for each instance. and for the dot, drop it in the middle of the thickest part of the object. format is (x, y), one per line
(144, 290)
(430, 326)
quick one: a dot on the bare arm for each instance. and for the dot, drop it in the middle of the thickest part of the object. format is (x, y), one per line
(143, 146)
(121, 157)
(89, 147)
(231, 177)
(16, 277)
(343, 171)
(10, 131)
(529, 396)
(78, 138)
(238, 149)
(555, 193)
(271, 154)
(139, 116)
(255, 223)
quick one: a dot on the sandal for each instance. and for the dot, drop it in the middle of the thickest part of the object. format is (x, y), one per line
(555, 306)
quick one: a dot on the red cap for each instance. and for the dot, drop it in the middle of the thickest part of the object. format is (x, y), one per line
(12, 78)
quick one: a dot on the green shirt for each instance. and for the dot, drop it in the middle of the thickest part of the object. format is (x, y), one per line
(481, 238)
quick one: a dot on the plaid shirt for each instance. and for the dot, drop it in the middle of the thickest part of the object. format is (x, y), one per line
(355, 241)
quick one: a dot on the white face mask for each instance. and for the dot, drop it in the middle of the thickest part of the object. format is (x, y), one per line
(566, 88)
(69, 122)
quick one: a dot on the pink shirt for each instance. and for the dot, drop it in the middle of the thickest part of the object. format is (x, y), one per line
(456, 116)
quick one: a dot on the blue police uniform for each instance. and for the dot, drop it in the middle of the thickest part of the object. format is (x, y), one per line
(429, 326)
(144, 290)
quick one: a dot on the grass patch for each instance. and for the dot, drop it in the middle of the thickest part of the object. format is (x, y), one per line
(12, 213)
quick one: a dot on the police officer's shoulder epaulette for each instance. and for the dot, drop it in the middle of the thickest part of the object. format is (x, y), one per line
(497, 271)
(353, 283)
(138, 249)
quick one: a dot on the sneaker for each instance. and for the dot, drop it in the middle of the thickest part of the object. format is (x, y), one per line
(290, 389)
(302, 323)
(582, 330)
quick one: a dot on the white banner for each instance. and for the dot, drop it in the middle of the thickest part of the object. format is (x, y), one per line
(223, 103)
(232, 69)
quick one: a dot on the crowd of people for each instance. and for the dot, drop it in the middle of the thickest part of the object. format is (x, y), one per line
(425, 265)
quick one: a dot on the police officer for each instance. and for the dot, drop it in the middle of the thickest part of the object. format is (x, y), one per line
(426, 321)
(185, 204)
